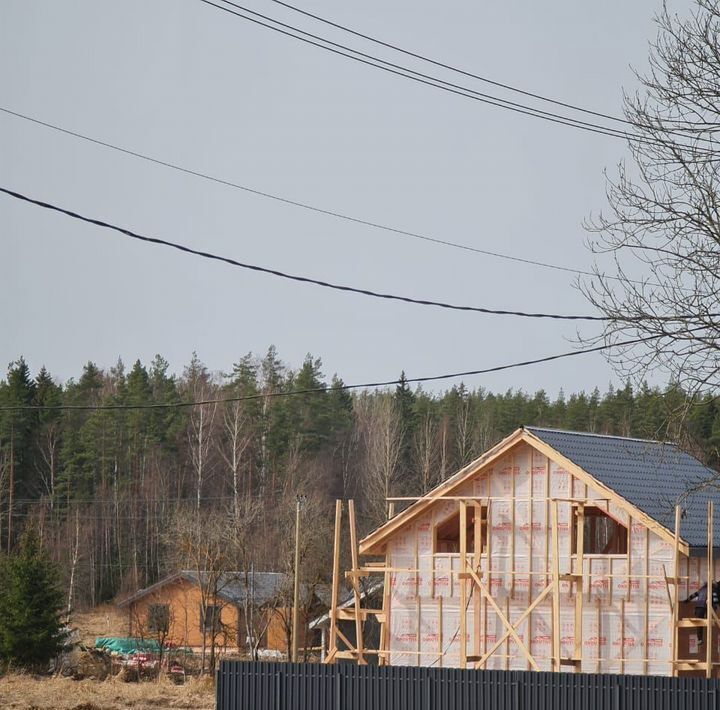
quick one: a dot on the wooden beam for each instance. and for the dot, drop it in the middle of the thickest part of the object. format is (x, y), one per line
(332, 651)
(709, 645)
(463, 584)
(556, 589)
(676, 593)
(504, 620)
(538, 600)
(356, 585)
(579, 572)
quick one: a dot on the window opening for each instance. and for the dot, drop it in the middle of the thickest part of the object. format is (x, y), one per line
(158, 618)
(602, 534)
(447, 533)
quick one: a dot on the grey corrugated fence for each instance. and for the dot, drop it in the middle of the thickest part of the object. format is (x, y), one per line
(290, 686)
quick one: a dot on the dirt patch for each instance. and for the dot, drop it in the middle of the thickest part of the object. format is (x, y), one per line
(27, 692)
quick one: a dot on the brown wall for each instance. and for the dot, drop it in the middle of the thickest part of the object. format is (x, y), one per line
(184, 600)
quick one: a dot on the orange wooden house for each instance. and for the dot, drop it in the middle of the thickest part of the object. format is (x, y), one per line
(187, 610)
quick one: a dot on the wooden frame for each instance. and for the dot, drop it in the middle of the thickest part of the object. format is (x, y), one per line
(565, 571)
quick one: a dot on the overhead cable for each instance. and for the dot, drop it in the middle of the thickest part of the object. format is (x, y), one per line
(295, 277)
(408, 73)
(472, 75)
(303, 205)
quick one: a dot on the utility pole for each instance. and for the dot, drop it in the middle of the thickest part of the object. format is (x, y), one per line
(12, 487)
(296, 592)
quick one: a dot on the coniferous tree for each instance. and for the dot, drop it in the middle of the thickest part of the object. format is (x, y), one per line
(31, 632)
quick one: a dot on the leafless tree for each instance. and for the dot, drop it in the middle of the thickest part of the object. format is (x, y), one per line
(427, 452)
(662, 228)
(201, 543)
(201, 421)
(47, 445)
(237, 436)
(383, 438)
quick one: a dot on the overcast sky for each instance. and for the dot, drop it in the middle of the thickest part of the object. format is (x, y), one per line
(189, 84)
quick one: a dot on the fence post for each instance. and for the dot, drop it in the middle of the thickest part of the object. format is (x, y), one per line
(338, 689)
(278, 691)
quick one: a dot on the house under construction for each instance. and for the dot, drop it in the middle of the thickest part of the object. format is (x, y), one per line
(553, 551)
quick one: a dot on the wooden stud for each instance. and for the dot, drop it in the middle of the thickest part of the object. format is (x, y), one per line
(512, 523)
(556, 589)
(547, 520)
(646, 620)
(629, 554)
(419, 628)
(489, 567)
(676, 597)
(355, 583)
(709, 608)
(598, 620)
(622, 635)
(333, 649)
(579, 570)
(440, 632)
(531, 505)
(477, 556)
(507, 643)
(463, 584)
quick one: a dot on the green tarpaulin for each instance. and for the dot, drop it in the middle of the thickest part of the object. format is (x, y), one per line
(127, 646)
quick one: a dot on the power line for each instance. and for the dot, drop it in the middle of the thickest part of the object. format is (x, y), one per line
(303, 205)
(321, 390)
(295, 277)
(472, 75)
(436, 82)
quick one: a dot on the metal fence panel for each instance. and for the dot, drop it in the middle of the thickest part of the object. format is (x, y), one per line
(346, 686)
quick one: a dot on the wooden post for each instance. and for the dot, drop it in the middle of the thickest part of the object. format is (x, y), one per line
(463, 584)
(676, 593)
(333, 649)
(710, 579)
(556, 589)
(646, 587)
(356, 583)
(477, 552)
(579, 571)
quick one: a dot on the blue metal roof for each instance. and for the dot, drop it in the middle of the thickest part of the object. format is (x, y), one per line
(652, 475)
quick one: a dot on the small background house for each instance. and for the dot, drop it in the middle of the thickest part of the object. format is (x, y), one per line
(240, 610)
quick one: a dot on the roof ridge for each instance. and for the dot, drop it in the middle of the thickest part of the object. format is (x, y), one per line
(600, 436)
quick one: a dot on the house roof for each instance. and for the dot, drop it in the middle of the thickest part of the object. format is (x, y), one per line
(652, 475)
(368, 590)
(237, 587)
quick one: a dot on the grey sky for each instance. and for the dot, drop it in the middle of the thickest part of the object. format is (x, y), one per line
(190, 84)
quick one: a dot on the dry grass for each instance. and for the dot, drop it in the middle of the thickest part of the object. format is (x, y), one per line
(26, 692)
(103, 620)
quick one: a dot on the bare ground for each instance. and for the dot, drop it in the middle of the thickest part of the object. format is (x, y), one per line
(27, 692)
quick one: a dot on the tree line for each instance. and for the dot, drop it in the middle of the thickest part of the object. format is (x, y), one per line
(114, 492)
